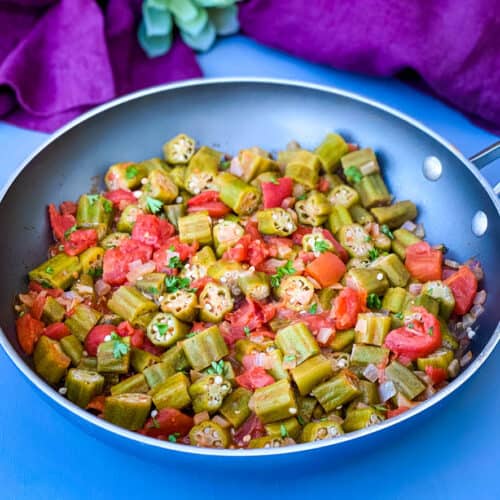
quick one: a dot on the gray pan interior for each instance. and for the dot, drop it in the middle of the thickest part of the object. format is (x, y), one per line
(231, 114)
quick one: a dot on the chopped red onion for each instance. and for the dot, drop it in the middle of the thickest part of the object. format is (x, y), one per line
(386, 391)
(102, 288)
(419, 231)
(476, 311)
(480, 297)
(409, 226)
(371, 372)
(235, 167)
(415, 288)
(466, 359)
(324, 335)
(451, 263)
(429, 391)
(475, 266)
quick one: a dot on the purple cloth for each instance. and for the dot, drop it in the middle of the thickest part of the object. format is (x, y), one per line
(59, 58)
(453, 46)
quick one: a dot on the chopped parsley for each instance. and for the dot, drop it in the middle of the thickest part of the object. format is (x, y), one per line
(95, 272)
(283, 431)
(173, 437)
(49, 270)
(131, 172)
(275, 181)
(281, 272)
(411, 326)
(174, 283)
(153, 290)
(373, 253)
(399, 315)
(302, 197)
(108, 206)
(191, 334)
(384, 229)
(175, 262)
(321, 246)
(431, 331)
(289, 357)
(313, 309)
(246, 330)
(353, 174)
(68, 232)
(217, 368)
(120, 348)
(300, 420)
(92, 198)
(373, 301)
(224, 165)
(153, 204)
(162, 328)
(380, 408)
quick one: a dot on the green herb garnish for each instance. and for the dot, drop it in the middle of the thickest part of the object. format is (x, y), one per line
(302, 197)
(246, 330)
(380, 408)
(108, 206)
(353, 174)
(431, 331)
(49, 270)
(95, 272)
(72, 229)
(131, 172)
(399, 315)
(373, 301)
(162, 328)
(175, 262)
(373, 253)
(174, 283)
(283, 431)
(119, 347)
(321, 246)
(224, 165)
(153, 204)
(275, 181)
(92, 198)
(313, 309)
(289, 357)
(173, 437)
(281, 272)
(217, 368)
(384, 229)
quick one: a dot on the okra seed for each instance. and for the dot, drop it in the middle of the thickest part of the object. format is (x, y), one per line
(137, 194)
(179, 199)
(380, 276)
(144, 181)
(63, 391)
(154, 413)
(292, 410)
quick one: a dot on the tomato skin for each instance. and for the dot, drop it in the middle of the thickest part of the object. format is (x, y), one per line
(29, 330)
(251, 229)
(116, 261)
(423, 262)
(254, 378)
(96, 336)
(396, 412)
(251, 315)
(38, 305)
(315, 322)
(52, 292)
(327, 269)
(337, 247)
(418, 338)
(252, 427)
(148, 346)
(214, 209)
(237, 253)
(436, 374)
(151, 230)
(463, 285)
(80, 240)
(273, 194)
(56, 331)
(347, 305)
(120, 198)
(168, 421)
(200, 283)
(300, 233)
(125, 329)
(323, 185)
(204, 197)
(68, 208)
(60, 223)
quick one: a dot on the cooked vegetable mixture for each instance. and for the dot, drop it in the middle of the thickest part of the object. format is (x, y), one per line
(246, 302)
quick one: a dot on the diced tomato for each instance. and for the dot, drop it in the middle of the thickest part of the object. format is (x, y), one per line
(327, 269)
(337, 247)
(436, 374)
(214, 208)
(52, 292)
(80, 240)
(237, 253)
(463, 285)
(251, 315)
(184, 250)
(125, 329)
(251, 228)
(347, 305)
(323, 185)
(68, 208)
(423, 262)
(60, 223)
(200, 283)
(29, 330)
(315, 322)
(96, 336)
(38, 305)
(152, 230)
(257, 252)
(168, 421)
(273, 193)
(251, 429)
(396, 412)
(56, 331)
(204, 197)
(120, 198)
(254, 378)
(97, 404)
(116, 260)
(269, 266)
(420, 336)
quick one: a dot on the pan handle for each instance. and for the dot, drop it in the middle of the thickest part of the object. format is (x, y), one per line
(485, 157)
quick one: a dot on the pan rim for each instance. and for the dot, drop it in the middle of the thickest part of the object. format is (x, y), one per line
(70, 408)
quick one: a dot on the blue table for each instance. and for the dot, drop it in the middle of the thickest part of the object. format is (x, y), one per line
(454, 453)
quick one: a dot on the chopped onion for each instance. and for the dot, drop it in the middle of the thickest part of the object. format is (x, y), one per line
(480, 297)
(137, 271)
(451, 263)
(324, 335)
(235, 167)
(466, 359)
(386, 391)
(467, 321)
(415, 288)
(361, 325)
(476, 311)
(201, 417)
(423, 377)
(221, 421)
(419, 231)
(409, 226)
(102, 288)
(26, 299)
(429, 392)
(475, 266)
(371, 372)
(453, 368)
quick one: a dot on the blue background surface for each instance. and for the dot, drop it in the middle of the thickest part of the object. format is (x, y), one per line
(453, 452)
